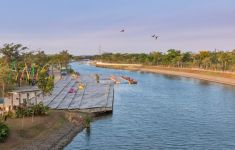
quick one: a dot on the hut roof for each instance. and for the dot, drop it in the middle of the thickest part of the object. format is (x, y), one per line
(25, 89)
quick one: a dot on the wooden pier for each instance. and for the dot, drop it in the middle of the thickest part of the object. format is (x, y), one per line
(94, 97)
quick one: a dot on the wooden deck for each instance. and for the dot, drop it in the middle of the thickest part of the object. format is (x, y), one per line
(95, 97)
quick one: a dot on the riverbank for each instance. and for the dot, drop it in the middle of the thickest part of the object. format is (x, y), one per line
(213, 76)
(48, 132)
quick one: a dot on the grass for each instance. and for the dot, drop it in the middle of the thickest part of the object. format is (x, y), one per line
(39, 127)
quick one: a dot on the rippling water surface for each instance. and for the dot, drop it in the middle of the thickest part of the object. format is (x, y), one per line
(162, 112)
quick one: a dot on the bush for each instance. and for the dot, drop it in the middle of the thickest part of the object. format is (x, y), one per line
(40, 109)
(23, 111)
(36, 110)
(4, 132)
(87, 121)
(11, 114)
(71, 71)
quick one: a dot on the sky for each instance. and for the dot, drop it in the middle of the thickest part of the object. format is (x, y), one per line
(86, 27)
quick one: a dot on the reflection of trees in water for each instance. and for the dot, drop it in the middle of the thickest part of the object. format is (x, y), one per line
(209, 83)
(228, 87)
(106, 116)
(172, 77)
(88, 133)
(142, 72)
(204, 82)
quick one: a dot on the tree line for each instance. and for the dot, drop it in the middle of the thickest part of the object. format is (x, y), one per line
(18, 53)
(213, 60)
(17, 60)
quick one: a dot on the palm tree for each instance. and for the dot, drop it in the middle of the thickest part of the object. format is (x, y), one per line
(224, 58)
(203, 59)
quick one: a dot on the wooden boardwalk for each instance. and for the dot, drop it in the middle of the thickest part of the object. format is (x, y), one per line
(95, 97)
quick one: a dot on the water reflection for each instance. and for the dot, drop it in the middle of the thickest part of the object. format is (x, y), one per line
(88, 133)
(172, 77)
(103, 117)
(204, 82)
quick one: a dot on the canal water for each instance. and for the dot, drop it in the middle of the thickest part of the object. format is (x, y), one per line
(162, 112)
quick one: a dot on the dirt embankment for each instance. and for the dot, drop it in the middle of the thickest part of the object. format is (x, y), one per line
(49, 132)
(208, 75)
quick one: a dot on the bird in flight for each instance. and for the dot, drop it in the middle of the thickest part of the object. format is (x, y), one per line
(122, 30)
(155, 36)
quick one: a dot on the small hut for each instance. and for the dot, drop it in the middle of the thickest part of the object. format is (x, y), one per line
(23, 96)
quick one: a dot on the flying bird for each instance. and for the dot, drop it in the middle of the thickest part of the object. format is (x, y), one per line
(155, 36)
(123, 29)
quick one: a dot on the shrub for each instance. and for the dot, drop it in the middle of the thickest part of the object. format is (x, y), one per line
(4, 132)
(40, 109)
(87, 121)
(36, 110)
(11, 114)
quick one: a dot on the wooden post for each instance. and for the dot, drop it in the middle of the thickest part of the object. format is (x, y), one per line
(27, 99)
(22, 122)
(52, 70)
(3, 89)
(36, 97)
(12, 97)
(32, 116)
(113, 100)
(19, 99)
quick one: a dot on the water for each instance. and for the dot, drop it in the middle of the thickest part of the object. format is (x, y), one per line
(163, 112)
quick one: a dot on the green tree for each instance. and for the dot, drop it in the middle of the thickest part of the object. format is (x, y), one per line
(157, 57)
(186, 57)
(173, 56)
(45, 82)
(4, 73)
(11, 52)
(204, 60)
(64, 58)
(224, 59)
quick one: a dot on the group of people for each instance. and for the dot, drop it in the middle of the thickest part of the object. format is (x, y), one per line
(80, 86)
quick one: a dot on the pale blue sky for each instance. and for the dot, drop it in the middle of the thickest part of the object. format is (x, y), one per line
(82, 25)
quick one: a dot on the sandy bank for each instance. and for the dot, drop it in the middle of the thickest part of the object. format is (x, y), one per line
(213, 76)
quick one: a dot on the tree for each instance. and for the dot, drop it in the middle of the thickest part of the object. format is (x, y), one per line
(64, 57)
(203, 59)
(11, 52)
(224, 59)
(45, 82)
(172, 56)
(40, 58)
(186, 57)
(157, 56)
(4, 73)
